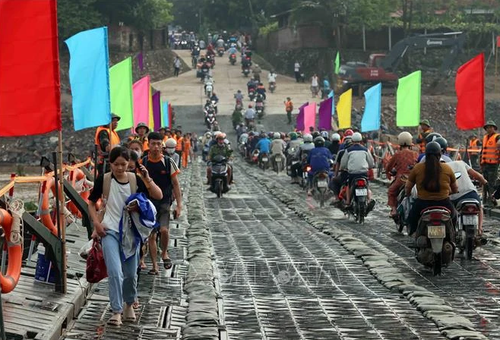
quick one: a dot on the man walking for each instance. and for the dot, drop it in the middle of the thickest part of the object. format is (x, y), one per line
(490, 158)
(289, 109)
(296, 69)
(163, 170)
(177, 66)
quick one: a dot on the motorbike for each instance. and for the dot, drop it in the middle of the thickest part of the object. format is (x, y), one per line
(278, 162)
(208, 90)
(184, 45)
(210, 121)
(214, 105)
(320, 187)
(251, 94)
(255, 156)
(468, 224)
(194, 61)
(264, 161)
(219, 179)
(211, 61)
(359, 196)
(238, 106)
(204, 74)
(220, 51)
(434, 239)
(232, 59)
(259, 109)
(305, 174)
(291, 159)
(272, 87)
(246, 71)
(242, 148)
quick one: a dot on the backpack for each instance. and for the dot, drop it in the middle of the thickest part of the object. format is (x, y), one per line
(106, 187)
(166, 162)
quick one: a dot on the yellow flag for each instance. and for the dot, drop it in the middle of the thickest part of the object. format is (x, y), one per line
(344, 108)
(151, 118)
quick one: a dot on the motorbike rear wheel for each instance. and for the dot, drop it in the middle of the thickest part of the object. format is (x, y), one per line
(361, 212)
(322, 198)
(436, 269)
(469, 247)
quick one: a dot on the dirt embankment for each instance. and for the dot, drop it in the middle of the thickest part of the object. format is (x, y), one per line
(28, 150)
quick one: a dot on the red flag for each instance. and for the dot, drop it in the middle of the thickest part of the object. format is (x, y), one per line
(30, 94)
(469, 86)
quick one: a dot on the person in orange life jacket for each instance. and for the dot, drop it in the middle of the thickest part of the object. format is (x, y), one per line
(289, 109)
(426, 129)
(163, 171)
(474, 144)
(179, 147)
(105, 140)
(142, 130)
(490, 158)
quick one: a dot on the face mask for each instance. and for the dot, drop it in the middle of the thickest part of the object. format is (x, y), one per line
(170, 151)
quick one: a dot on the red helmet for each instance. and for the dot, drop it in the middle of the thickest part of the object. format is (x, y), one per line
(348, 132)
(249, 105)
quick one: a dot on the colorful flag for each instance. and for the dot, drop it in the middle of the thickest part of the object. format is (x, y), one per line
(373, 108)
(300, 118)
(325, 114)
(337, 63)
(309, 117)
(344, 108)
(164, 114)
(89, 78)
(170, 112)
(151, 117)
(469, 85)
(141, 101)
(120, 86)
(408, 100)
(30, 96)
(157, 111)
(332, 95)
(140, 61)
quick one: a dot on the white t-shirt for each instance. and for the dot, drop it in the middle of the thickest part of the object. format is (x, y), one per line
(118, 194)
(314, 81)
(464, 183)
(271, 77)
(297, 67)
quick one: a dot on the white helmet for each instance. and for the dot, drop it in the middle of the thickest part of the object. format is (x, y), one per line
(216, 133)
(308, 138)
(324, 134)
(356, 137)
(170, 143)
(276, 135)
(335, 137)
(405, 138)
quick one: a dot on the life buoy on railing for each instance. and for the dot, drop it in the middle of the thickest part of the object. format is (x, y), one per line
(15, 252)
(45, 216)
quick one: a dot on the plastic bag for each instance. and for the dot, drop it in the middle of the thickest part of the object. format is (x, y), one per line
(85, 249)
(96, 267)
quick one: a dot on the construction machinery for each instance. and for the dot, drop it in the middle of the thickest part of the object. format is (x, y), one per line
(383, 67)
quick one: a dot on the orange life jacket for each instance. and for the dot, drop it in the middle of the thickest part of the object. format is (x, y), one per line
(422, 137)
(114, 139)
(289, 106)
(145, 144)
(180, 141)
(490, 153)
(473, 143)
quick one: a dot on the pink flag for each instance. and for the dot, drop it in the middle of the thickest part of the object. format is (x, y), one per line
(141, 101)
(325, 114)
(300, 118)
(309, 117)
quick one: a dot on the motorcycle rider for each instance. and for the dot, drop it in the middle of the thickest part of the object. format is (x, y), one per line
(261, 90)
(232, 50)
(278, 146)
(263, 145)
(195, 53)
(205, 141)
(435, 182)
(357, 161)
(334, 144)
(301, 154)
(271, 78)
(340, 175)
(256, 71)
(249, 115)
(402, 161)
(238, 96)
(220, 148)
(252, 84)
(467, 189)
(443, 143)
(319, 159)
(326, 137)
(214, 99)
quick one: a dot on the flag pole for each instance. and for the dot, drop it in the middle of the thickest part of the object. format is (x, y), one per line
(62, 220)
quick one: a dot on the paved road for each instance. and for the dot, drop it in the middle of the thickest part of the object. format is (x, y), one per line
(285, 277)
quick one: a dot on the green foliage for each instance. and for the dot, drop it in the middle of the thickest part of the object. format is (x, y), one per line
(371, 13)
(153, 14)
(75, 16)
(265, 30)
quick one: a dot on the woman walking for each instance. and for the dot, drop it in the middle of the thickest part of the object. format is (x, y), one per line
(122, 275)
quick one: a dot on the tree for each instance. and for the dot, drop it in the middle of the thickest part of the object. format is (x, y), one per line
(69, 23)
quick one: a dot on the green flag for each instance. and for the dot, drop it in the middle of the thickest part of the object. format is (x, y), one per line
(337, 63)
(120, 86)
(408, 100)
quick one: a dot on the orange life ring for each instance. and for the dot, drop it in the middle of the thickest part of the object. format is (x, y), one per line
(9, 281)
(47, 187)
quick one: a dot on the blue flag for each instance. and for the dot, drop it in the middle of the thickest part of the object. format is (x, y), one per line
(89, 78)
(373, 107)
(330, 95)
(164, 114)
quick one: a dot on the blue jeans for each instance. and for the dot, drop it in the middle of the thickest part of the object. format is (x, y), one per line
(122, 276)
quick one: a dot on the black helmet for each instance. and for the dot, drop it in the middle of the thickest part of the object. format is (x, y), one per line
(433, 148)
(431, 136)
(319, 141)
(442, 142)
